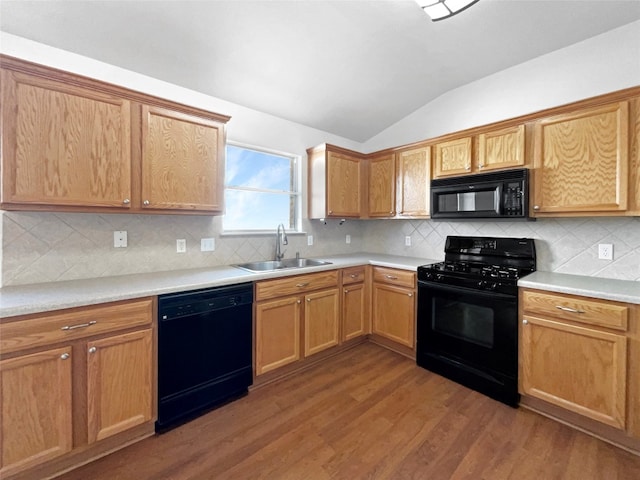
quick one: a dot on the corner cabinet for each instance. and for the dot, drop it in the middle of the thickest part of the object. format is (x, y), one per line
(581, 162)
(381, 185)
(413, 177)
(71, 143)
(336, 182)
(76, 384)
(580, 354)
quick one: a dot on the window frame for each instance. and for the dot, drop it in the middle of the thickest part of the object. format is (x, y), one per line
(295, 193)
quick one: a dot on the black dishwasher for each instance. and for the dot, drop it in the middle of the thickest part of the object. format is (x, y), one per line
(204, 351)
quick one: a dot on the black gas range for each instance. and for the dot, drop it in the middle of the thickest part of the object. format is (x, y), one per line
(467, 321)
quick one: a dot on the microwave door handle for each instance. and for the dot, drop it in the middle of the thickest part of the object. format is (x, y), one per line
(498, 200)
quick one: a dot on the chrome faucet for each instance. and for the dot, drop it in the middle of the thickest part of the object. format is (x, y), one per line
(281, 239)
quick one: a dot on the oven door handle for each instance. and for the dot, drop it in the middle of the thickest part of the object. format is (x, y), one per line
(472, 291)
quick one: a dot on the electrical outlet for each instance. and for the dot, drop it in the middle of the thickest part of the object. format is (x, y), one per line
(309, 240)
(407, 241)
(181, 245)
(207, 244)
(605, 251)
(347, 239)
(120, 239)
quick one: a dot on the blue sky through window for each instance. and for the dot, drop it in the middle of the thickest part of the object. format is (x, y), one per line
(258, 190)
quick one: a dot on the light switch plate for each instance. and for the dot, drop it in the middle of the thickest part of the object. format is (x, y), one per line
(309, 240)
(347, 239)
(407, 241)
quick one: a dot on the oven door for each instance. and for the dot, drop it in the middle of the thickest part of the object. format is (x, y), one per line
(472, 333)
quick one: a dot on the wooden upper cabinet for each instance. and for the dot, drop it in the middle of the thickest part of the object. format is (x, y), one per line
(182, 161)
(581, 161)
(336, 182)
(452, 157)
(63, 145)
(381, 174)
(503, 148)
(413, 177)
(72, 143)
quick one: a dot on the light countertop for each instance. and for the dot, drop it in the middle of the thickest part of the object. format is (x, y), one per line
(44, 297)
(596, 287)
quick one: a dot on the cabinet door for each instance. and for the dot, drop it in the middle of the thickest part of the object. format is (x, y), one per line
(344, 184)
(321, 321)
(581, 161)
(382, 186)
(119, 383)
(502, 148)
(182, 161)
(394, 313)
(63, 145)
(353, 311)
(35, 406)
(580, 369)
(277, 333)
(414, 177)
(452, 157)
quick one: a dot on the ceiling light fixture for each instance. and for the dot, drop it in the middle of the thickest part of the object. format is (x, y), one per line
(441, 9)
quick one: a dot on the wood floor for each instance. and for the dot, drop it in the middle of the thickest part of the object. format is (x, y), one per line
(366, 414)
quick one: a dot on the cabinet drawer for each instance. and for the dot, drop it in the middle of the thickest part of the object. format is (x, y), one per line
(38, 330)
(353, 275)
(403, 278)
(293, 285)
(589, 311)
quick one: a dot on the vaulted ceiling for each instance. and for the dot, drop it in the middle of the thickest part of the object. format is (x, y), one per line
(349, 67)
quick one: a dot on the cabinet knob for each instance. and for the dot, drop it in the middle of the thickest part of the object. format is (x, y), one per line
(64, 356)
(346, 291)
(536, 207)
(146, 202)
(410, 294)
(354, 275)
(93, 350)
(298, 301)
(126, 201)
(330, 212)
(525, 321)
(481, 166)
(308, 299)
(468, 167)
(302, 285)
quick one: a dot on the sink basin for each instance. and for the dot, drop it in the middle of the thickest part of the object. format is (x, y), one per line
(270, 265)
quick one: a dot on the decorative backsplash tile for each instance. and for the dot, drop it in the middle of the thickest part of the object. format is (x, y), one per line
(45, 247)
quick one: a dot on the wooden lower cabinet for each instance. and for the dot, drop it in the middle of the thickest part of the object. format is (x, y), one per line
(321, 321)
(80, 389)
(580, 369)
(277, 333)
(354, 311)
(579, 362)
(119, 382)
(36, 409)
(394, 305)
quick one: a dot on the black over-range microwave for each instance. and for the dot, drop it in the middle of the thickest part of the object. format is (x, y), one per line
(496, 195)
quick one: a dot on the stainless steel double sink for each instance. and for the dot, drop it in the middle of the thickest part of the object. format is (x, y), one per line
(271, 265)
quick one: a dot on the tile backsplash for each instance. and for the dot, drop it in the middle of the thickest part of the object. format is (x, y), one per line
(45, 247)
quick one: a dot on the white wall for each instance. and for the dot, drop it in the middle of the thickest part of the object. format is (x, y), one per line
(601, 64)
(246, 125)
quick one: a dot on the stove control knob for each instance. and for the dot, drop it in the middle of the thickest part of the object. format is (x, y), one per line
(429, 276)
(481, 283)
(439, 276)
(493, 286)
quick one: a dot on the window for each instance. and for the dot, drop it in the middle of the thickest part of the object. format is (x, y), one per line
(261, 190)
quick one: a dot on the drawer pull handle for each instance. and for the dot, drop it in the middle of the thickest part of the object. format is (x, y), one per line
(567, 309)
(64, 356)
(354, 275)
(391, 277)
(302, 285)
(80, 325)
